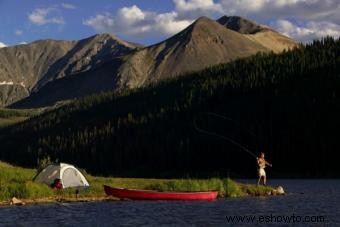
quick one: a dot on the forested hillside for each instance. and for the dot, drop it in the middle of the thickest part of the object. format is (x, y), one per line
(287, 105)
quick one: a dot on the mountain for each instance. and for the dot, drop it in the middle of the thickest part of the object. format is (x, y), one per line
(202, 44)
(46, 72)
(263, 35)
(88, 54)
(22, 66)
(25, 69)
(93, 81)
(287, 105)
(240, 24)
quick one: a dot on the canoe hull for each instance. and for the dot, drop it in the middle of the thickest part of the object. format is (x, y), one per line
(133, 194)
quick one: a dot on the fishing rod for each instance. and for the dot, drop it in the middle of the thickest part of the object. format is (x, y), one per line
(200, 130)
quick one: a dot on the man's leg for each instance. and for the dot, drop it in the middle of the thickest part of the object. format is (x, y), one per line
(264, 180)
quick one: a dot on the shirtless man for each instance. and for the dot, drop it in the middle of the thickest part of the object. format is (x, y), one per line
(261, 163)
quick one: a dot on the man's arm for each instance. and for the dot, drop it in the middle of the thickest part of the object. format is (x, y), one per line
(268, 164)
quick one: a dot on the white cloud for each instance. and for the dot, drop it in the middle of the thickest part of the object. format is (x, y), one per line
(191, 9)
(318, 10)
(242, 6)
(2, 45)
(311, 30)
(18, 32)
(131, 14)
(40, 16)
(132, 21)
(290, 29)
(101, 22)
(168, 24)
(192, 5)
(68, 6)
(22, 43)
(301, 19)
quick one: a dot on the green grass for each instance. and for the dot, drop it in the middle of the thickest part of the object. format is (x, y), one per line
(255, 190)
(17, 182)
(4, 122)
(13, 116)
(8, 113)
(225, 187)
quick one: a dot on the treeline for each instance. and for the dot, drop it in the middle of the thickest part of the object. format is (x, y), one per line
(287, 105)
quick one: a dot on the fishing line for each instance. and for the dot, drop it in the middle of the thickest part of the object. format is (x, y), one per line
(221, 136)
(229, 119)
(224, 137)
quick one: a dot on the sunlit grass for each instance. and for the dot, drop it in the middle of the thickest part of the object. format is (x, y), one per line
(225, 187)
(4, 122)
(10, 117)
(17, 182)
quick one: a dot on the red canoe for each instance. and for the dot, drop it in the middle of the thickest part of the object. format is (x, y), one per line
(135, 194)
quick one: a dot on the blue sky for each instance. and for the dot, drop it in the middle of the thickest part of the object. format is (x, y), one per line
(150, 21)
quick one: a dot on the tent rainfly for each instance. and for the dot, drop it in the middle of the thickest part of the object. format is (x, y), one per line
(69, 175)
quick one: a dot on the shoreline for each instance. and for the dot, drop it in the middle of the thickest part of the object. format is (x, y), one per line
(54, 200)
(18, 188)
(88, 199)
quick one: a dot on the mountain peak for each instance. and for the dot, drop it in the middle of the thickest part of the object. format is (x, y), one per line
(203, 21)
(204, 26)
(204, 43)
(240, 24)
(49, 70)
(105, 37)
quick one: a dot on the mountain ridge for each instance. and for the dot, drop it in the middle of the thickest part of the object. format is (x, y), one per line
(179, 53)
(31, 66)
(240, 24)
(152, 129)
(264, 35)
(35, 72)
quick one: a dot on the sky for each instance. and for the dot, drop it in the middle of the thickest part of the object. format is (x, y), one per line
(150, 21)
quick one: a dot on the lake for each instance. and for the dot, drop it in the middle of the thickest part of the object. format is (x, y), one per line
(307, 203)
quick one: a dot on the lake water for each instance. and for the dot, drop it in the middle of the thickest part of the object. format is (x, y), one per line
(306, 201)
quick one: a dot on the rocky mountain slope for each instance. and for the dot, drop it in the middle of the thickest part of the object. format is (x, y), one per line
(202, 44)
(45, 72)
(263, 35)
(25, 69)
(22, 66)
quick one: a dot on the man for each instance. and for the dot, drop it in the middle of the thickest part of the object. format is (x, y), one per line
(261, 163)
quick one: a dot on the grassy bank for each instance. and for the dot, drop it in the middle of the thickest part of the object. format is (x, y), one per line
(10, 117)
(17, 182)
(225, 187)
